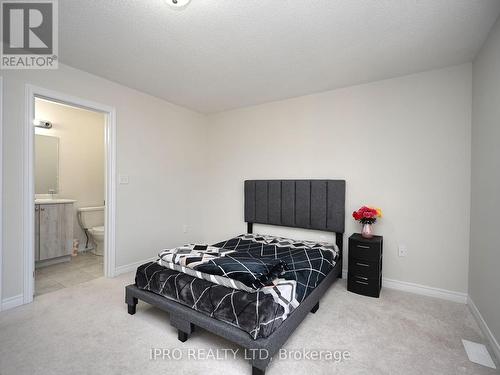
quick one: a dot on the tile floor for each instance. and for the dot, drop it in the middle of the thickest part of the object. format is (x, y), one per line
(82, 268)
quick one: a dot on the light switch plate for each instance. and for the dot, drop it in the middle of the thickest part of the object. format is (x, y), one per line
(123, 179)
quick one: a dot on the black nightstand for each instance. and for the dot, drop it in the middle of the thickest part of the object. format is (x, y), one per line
(365, 265)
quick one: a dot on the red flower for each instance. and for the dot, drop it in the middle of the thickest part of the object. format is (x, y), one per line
(365, 214)
(368, 214)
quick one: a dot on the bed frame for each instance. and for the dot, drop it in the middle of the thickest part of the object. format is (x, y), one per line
(309, 204)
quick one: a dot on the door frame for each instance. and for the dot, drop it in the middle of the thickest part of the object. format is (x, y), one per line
(33, 92)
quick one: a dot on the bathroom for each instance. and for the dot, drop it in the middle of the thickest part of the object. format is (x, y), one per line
(69, 171)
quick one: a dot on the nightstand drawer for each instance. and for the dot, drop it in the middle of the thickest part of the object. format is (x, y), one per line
(366, 287)
(364, 250)
(364, 268)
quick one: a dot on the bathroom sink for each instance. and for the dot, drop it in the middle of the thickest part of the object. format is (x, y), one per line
(53, 201)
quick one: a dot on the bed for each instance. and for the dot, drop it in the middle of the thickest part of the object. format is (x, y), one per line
(253, 290)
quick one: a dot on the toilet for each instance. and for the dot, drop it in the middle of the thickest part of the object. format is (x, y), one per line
(91, 220)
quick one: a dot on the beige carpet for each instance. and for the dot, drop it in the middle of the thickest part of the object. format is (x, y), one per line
(85, 329)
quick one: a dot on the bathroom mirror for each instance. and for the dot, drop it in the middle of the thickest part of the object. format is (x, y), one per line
(46, 164)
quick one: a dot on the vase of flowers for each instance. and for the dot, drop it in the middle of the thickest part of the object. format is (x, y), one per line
(367, 216)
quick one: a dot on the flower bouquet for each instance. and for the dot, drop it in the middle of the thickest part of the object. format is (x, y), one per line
(367, 216)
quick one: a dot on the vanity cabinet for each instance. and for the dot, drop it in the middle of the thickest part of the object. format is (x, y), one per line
(53, 230)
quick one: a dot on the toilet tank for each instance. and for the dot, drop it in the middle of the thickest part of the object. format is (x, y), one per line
(91, 216)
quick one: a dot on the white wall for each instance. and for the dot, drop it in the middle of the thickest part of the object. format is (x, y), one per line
(159, 145)
(402, 144)
(81, 154)
(484, 287)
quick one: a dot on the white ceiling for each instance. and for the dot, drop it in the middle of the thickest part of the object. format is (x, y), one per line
(216, 55)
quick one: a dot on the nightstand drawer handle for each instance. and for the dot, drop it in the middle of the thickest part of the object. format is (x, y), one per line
(361, 282)
(363, 246)
(362, 264)
(362, 278)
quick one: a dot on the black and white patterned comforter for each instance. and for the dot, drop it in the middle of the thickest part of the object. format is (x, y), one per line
(252, 282)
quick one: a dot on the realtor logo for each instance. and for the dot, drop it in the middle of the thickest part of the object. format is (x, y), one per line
(29, 34)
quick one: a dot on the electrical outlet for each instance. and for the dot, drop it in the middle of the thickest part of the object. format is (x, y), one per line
(185, 228)
(402, 251)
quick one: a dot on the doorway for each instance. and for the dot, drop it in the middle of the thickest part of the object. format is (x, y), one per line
(69, 214)
(69, 195)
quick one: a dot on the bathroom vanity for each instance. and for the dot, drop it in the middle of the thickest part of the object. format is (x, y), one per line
(53, 230)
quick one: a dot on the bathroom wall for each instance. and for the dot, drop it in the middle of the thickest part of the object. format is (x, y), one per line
(81, 154)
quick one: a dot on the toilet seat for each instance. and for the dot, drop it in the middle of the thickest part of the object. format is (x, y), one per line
(99, 229)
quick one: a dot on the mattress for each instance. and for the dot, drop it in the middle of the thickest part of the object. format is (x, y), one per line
(220, 280)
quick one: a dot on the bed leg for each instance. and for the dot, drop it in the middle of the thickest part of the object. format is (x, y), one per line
(315, 308)
(182, 336)
(260, 362)
(184, 327)
(132, 306)
(339, 240)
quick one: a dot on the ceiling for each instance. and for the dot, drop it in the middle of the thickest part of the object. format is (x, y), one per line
(216, 55)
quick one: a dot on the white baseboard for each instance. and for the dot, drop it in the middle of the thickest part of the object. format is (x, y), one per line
(12, 302)
(423, 290)
(484, 327)
(132, 266)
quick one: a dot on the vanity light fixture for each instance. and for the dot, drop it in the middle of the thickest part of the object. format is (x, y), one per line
(42, 124)
(178, 4)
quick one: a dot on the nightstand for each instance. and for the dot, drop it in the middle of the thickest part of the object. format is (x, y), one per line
(365, 265)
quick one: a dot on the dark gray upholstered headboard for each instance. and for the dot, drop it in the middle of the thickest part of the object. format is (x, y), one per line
(309, 204)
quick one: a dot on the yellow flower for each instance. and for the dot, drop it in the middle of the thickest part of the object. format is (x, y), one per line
(379, 212)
